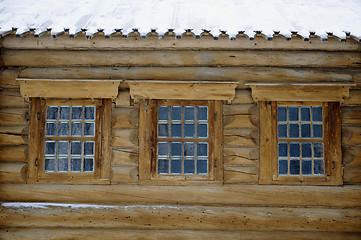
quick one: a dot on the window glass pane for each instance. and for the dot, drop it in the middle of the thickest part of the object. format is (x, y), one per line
(163, 149)
(282, 114)
(293, 113)
(189, 149)
(318, 150)
(50, 148)
(75, 164)
(318, 167)
(306, 167)
(282, 167)
(77, 113)
(176, 113)
(62, 164)
(89, 129)
(202, 166)
(317, 131)
(189, 166)
(189, 113)
(49, 165)
(163, 130)
(282, 149)
(317, 114)
(63, 148)
(51, 113)
(202, 149)
(295, 167)
(189, 130)
(89, 148)
(50, 130)
(306, 150)
(294, 149)
(202, 113)
(76, 129)
(64, 113)
(305, 114)
(176, 166)
(89, 113)
(63, 129)
(305, 130)
(176, 149)
(282, 130)
(294, 130)
(176, 130)
(163, 113)
(202, 130)
(88, 164)
(75, 148)
(163, 166)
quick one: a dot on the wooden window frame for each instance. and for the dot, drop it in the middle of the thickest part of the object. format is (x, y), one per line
(101, 173)
(148, 145)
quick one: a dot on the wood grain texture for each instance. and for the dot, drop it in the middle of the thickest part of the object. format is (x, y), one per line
(11, 98)
(14, 116)
(123, 98)
(351, 135)
(13, 172)
(12, 139)
(49, 58)
(352, 174)
(240, 156)
(8, 78)
(106, 134)
(16, 130)
(354, 98)
(240, 121)
(351, 155)
(125, 138)
(14, 153)
(185, 217)
(124, 157)
(240, 174)
(125, 117)
(351, 115)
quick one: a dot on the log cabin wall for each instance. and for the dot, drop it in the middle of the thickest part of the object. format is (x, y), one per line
(127, 210)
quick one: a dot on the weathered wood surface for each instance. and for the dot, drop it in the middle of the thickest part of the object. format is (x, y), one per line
(13, 172)
(124, 174)
(13, 153)
(8, 78)
(184, 217)
(243, 97)
(240, 156)
(240, 121)
(125, 138)
(50, 58)
(351, 155)
(17, 130)
(352, 174)
(240, 109)
(233, 194)
(12, 139)
(355, 97)
(351, 115)
(136, 234)
(123, 98)
(240, 174)
(205, 42)
(14, 116)
(124, 157)
(125, 117)
(240, 74)
(351, 135)
(12, 99)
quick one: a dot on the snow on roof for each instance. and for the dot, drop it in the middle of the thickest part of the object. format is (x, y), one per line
(302, 16)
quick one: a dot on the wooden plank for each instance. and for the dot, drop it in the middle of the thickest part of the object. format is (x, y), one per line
(68, 88)
(351, 115)
(239, 141)
(123, 99)
(12, 140)
(240, 156)
(124, 157)
(18, 130)
(34, 139)
(125, 117)
(351, 155)
(8, 78)
(14, 116)
(354, 98)
(351, 135)
(124, 174)
(243, 97)
(240, 121)
(218, 142)
(352, 175)
(224, 73)
(240, 174)
(135, 234)
(125, 138)
(182, 90)
(47, 58)
(10, 98)
(13, 172)
(14, 153)
(231, 194)
(106, 134)
(182, 217)
(241, 109)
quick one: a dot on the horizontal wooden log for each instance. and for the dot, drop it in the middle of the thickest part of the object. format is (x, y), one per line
(240, 156)
(13, 172)
(240, 174)
(125, 138)
(352, 175)
(124, 174)
(240, 109)
(181, 217)
(351, 115)
(48, 58)
(124, 157)
(351, 135)
(355, 97)
(10, 98)
(8, 78)
(123, 98)
(240, 74)
(233, 194)
(351, 155)
(13, 153)
(14, 116)
(133, 234)
(240, 121)
(18, 130)
(125, 117)
(11, 139)
(239, 141)
(243, 97)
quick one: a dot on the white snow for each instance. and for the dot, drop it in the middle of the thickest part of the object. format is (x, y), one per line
(321, 16)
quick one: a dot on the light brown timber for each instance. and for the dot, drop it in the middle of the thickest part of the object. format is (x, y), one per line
(354, 98)
(125, 138)
(240, 174)
(351, 115)
(351, 135)
(12, 139)
(240, 121)
(16, 130)
(106, 134)
(125, 117)
(352, 174)
(8, 78)
(351, 155)
(241, 109)
(14, 116)
(240, 156)
(124, 157)
(12, 99)
(123, 98)
(13, 172)
(124, 174)
(14, 153)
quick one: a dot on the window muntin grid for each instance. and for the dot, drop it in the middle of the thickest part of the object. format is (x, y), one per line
(300, 140)
(182, 140)
(70, 139)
